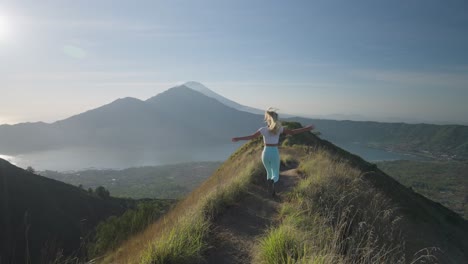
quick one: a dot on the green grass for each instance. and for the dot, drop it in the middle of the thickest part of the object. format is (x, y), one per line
(184, 243)
(181, 236)
(226, 195)
(283, 244)
(288, 160)
(333, 217)
(335, 214)
(116, 229)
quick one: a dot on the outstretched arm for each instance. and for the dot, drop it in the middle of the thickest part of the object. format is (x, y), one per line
(297, 131)
(256, 134)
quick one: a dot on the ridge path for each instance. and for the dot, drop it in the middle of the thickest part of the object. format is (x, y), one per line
(236, 232)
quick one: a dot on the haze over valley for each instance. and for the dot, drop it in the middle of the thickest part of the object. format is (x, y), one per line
(189, 123)
(134, 132)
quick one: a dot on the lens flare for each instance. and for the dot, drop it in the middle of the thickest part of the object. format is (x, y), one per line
(74, 51)
(4, 28)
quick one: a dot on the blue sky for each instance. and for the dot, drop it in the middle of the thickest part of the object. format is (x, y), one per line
(381, 60)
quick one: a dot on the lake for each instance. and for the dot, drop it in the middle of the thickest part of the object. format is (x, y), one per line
(99, 158)
(372, 154)
(79, 158)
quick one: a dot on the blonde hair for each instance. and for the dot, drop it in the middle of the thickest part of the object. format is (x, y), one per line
(271, 118)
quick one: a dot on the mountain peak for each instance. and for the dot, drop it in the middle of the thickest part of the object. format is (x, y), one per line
(128, 100)
(196, 86)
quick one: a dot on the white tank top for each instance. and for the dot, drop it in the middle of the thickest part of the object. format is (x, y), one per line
(268, 137)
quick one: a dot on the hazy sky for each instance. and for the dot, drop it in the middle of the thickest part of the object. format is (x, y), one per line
(401, 58)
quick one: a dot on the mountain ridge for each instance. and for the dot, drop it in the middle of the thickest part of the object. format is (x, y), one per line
(42, 217)
(206, 91)
(133, 123)
(130, 122)
(427, 140)
(392, 222)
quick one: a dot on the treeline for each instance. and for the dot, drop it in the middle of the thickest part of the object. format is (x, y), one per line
(445, 182)
(99, 191)
(154, 182)
(116, 229)
(47, 221)
(437, 141)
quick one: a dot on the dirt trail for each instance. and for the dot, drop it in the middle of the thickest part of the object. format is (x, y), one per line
(237, 230)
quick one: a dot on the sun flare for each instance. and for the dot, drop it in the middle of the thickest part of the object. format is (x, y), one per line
(4, 28)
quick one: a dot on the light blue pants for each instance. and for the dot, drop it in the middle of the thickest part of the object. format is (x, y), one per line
(271, 161)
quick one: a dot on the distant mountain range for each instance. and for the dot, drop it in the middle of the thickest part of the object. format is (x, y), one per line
(384, 119)
(41, 217)
(177, 117)
(193, 116)
(432, 141)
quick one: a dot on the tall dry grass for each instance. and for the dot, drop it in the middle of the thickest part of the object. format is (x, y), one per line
(333, 216)
(180, 235)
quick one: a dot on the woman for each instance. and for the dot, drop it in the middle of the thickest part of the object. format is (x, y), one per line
(270, 154)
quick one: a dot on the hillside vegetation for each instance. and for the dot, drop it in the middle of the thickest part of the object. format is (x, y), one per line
(332, 207)
(445, 182)
(43, 219)
(116, 229)
(156, 182)
(434, 141)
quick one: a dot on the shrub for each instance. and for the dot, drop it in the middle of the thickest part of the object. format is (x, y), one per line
(113, 231)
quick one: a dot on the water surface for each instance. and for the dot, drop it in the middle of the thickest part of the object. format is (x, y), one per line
(99, 158)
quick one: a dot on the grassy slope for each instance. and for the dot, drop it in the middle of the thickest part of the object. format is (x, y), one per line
(441, 181)
(361, 213)
(41, 217)
(185, 227)
(110, 233)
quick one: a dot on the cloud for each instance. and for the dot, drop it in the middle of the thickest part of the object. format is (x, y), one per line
(74, 51)
(276, 84)
(453, 79)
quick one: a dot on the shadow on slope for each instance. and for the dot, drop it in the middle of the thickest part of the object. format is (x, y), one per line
(42, 219)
